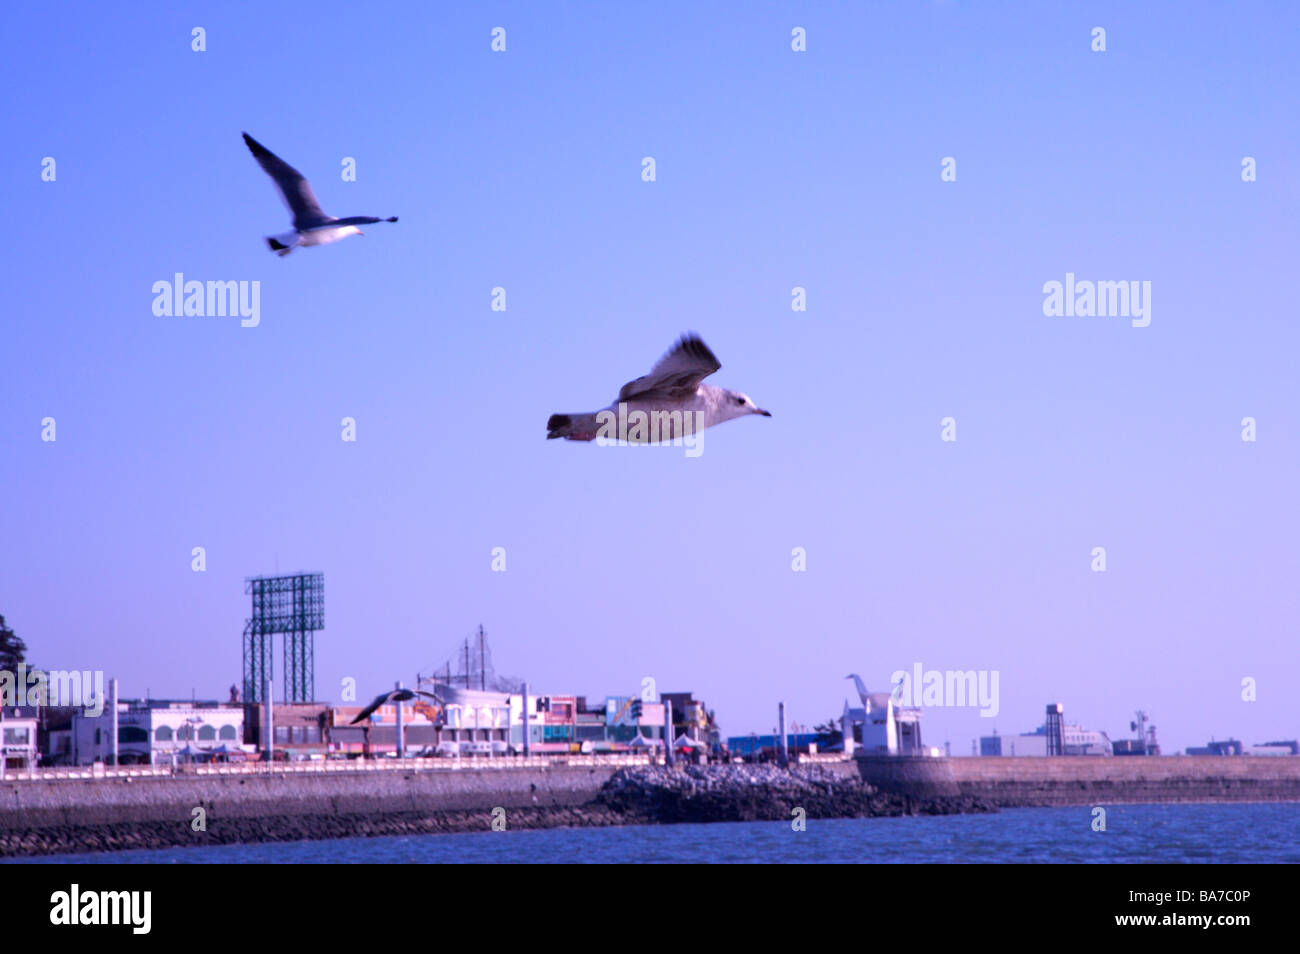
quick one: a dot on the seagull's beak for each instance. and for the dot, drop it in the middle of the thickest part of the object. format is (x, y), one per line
(764, 413)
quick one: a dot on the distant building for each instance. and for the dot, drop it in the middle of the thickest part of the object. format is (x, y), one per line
(1054, 736)
(18, 743)
(691, 719)
(1144, 743)
(1234, 747)
(301, 730)
(879, 726)
(765, 746)
(1275, 748)
(484, 722)
(153, 732)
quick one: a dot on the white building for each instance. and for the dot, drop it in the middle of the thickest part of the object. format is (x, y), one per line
(17, 742)
(155, 732)
(879, 726)
(1078, 741)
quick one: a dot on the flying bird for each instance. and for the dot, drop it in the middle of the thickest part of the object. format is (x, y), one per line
(674, 384)
(393, 695)
(311, 226)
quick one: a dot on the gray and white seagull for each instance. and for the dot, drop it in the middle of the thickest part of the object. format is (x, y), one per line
(311, 226)
(393, 695)
(674, 384)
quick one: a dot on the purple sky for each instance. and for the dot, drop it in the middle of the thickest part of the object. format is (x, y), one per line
(775, 169)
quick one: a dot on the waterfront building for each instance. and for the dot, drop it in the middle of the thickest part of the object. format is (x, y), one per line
(879, 726)
(18, 739)
(1053, 737)
(155, 732)
(422, 729)
(488, 723)
(1275, 748)
(301, 730)
(765, 747)
(1234, 747)
(691, 719)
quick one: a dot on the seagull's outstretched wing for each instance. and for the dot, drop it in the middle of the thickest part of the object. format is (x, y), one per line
(395, 695)
(365, 713)
(297, 194)
(677, 374)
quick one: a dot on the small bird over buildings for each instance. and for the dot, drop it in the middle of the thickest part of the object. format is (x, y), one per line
(311, 225)
(393, 695)
(674, 386)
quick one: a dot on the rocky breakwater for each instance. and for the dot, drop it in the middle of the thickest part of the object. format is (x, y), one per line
(718, 793)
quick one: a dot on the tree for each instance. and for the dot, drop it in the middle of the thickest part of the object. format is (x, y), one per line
(12, 649)
(828, 733)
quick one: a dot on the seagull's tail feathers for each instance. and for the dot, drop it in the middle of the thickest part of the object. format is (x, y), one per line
(573, 427)
(282, 245)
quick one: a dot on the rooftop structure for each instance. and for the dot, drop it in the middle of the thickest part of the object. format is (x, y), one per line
(879, 726)
(1234, 747)
(1054, 737)
(152, 732)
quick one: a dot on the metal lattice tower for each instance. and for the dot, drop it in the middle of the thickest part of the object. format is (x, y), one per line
(291, 605)
(1055, 729)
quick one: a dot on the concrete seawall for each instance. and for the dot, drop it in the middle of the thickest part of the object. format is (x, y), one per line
(1020, 782)
(39, 804)
(41, 817)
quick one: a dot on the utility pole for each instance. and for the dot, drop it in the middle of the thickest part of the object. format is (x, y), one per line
(668, 732)
(783, 759)
(527, 747)
(113, 703)
(482, 659)
(269, 749)
(401, 735)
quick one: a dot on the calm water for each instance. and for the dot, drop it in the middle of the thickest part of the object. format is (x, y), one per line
(1265, 833)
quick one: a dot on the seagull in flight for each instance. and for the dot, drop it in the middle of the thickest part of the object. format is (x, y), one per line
(674, 384)
(311, 226)
(393, 695)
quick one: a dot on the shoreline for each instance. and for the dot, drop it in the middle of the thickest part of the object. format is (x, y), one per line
(78, 816)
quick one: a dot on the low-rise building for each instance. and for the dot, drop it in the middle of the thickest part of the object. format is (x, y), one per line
(767, 747)
(157, 732)
(1075, 740)
(18, 740)
(482, 722)
(1234, 747)
(879, 726)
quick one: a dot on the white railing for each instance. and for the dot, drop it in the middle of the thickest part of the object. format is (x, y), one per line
(34, 774)
(336, 766)
(323, 767)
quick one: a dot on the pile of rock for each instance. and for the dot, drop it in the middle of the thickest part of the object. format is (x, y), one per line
(732, 792)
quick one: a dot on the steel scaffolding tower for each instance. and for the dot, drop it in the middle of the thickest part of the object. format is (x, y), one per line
(291, 605)
(1055, 729)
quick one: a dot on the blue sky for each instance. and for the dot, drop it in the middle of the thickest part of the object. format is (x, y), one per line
(774, 169)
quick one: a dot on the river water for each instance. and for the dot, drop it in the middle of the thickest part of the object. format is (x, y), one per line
(1227, 833)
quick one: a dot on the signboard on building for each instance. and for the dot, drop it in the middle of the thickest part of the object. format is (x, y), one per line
(618, 710)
